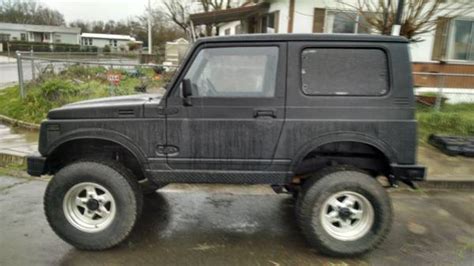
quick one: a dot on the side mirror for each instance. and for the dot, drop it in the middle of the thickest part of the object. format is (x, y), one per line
(187, 91)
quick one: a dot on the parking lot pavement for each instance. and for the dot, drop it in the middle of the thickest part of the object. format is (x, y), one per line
(226, 225)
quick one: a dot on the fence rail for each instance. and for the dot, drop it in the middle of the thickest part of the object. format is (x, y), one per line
(433, 89)
(32, 65)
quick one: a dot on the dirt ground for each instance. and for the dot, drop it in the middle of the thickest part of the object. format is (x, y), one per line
(236, 225)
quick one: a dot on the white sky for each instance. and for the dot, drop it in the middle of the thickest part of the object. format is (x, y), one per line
(98, 9)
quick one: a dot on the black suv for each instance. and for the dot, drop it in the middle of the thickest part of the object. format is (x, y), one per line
(320, 116)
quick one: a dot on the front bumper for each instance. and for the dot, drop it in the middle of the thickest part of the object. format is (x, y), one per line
(409, 172)
(36, 165)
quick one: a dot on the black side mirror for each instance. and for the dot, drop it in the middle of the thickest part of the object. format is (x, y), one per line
(187, 91)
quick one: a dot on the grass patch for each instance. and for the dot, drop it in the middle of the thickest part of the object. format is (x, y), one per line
(14, 169)
(453, 119)
(74, 84)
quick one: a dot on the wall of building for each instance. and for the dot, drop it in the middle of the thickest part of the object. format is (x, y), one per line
(68, 38)
(421, 51)
(281, 6)
(304, 17)
(231, 26)
(101, 43)
(13, 34)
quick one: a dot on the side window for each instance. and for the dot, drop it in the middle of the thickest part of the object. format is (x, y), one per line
(344, 71)
(234, 72)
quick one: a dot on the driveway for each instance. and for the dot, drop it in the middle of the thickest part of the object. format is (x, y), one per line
(235, 225)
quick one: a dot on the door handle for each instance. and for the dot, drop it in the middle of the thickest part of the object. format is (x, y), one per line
(264, 113)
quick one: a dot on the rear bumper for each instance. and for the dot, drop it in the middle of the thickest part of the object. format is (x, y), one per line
(409, 172)
(36, 165)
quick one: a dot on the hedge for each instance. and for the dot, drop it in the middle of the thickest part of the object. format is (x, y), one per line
(46, 47)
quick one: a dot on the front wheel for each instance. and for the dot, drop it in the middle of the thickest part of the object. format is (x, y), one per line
(344, 212)
(93, 205)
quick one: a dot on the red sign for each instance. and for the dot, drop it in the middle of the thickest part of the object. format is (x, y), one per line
(114, 78)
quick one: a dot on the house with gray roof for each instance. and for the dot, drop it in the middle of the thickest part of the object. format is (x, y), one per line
(39, 33)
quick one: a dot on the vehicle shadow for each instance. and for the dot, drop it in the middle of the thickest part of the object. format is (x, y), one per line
(210, 229)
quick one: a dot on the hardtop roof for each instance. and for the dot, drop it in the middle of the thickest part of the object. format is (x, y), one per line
(304, 37)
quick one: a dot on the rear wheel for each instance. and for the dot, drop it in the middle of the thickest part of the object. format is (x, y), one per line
(344, 212)
(93, 205)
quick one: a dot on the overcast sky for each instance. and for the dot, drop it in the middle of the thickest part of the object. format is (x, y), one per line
(98, 9)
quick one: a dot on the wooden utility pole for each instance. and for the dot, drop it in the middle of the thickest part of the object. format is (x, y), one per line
(291, 14)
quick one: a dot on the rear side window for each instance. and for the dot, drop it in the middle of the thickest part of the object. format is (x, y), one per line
(343, 71)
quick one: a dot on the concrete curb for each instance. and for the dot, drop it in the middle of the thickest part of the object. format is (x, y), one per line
(7, 159)
(447, 184)
(18, 123)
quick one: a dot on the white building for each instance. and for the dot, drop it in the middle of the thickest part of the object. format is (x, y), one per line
(39, 33)
(175, 52)
(452, 41)
(115, 42)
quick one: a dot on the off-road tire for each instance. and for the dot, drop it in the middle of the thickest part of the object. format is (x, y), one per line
(112, 176)
(327, 182)
(309, 179)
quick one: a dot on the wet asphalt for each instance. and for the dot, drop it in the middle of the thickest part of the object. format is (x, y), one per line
(236, 225)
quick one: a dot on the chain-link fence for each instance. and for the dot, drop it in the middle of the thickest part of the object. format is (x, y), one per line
(435, 89)
(121, 74)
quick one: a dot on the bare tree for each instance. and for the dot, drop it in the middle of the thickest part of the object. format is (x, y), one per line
(212, 5)
(419, 16)
(178, 12)
(29, 12)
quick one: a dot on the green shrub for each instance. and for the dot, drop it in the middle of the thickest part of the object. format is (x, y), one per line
(453, 119)
(106, 49)
(78, 71)
(76, 83)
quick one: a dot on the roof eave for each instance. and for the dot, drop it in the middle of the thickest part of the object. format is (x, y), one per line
(227, 15)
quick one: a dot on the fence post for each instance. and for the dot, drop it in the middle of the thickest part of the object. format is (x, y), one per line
(439, 96)
(32, 66)
(20, 74)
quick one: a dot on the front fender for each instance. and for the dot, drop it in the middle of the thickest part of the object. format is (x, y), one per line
(96, 133)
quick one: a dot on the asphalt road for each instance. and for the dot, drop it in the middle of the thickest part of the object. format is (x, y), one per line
(9, 73)
(235, 225)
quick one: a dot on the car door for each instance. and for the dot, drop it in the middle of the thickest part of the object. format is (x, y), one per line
(235, 115)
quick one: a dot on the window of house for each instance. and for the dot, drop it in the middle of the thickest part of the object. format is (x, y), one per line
(23, 36)
(234, 72)
(346, 22)
(115, 43)
(227, 31)
(461, 41)
(270, 22)
(344, 71)
(90, 41)
(4, 37)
